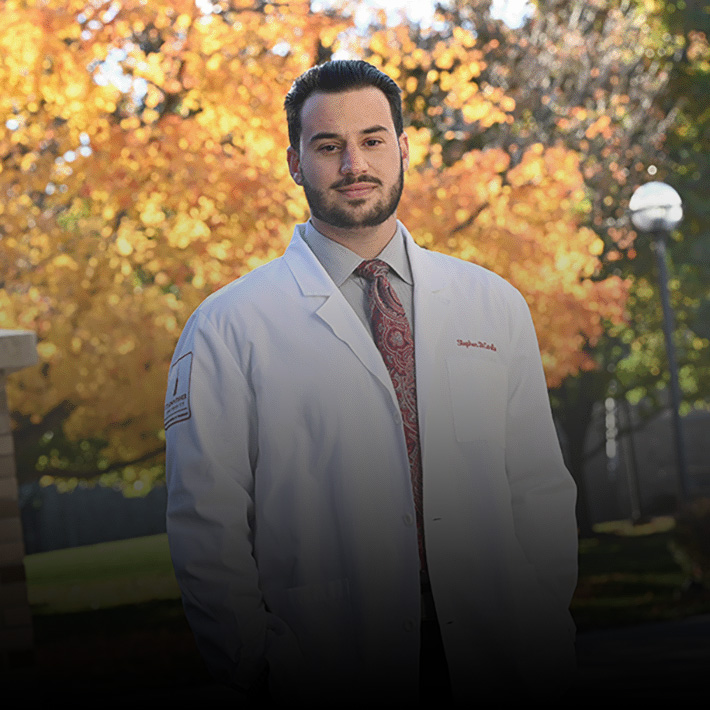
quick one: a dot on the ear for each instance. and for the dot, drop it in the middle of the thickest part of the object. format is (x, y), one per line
(294, 165)
(404, 149)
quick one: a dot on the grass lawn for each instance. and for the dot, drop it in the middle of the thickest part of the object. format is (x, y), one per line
(628, 575)
(101, 576)
(113, 610)
(108, 619)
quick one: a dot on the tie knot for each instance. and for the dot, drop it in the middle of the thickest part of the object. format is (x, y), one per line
(372, 269)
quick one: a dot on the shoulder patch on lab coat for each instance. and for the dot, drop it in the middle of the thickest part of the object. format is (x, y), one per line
(177, 403)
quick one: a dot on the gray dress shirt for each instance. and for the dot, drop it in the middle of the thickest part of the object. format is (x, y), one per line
(340, 263)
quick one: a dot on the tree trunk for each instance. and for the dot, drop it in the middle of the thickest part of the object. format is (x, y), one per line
(573, 403)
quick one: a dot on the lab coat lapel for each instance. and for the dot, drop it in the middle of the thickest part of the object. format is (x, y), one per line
(431, 307)
(332, 308)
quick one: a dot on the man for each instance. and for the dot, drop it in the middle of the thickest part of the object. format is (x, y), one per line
(362, 463)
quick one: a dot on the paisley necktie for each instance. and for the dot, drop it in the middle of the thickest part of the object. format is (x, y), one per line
(393, 338)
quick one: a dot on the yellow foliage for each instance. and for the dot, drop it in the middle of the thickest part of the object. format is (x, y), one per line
(124, 207)
(529, 231)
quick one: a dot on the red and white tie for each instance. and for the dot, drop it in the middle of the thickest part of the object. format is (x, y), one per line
(393, 337)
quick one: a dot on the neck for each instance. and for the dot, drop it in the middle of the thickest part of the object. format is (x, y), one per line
(366, 242)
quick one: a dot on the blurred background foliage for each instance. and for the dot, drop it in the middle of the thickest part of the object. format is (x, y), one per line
(142, 148)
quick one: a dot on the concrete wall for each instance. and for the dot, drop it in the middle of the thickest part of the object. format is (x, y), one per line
(86, 516)
(645, 461)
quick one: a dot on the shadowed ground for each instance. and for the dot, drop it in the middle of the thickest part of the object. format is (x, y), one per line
(108, 624)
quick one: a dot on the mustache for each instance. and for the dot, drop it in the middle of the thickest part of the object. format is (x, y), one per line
(352, 181)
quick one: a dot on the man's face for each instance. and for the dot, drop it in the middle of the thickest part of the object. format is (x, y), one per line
(351, 163)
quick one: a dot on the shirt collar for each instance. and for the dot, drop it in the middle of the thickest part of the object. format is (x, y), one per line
(340, 262)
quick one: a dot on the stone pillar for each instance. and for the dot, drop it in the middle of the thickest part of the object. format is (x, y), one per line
(18, 349)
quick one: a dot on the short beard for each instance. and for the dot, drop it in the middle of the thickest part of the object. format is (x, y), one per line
(337, 217)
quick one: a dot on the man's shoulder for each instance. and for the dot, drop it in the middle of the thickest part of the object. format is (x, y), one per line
(249, 289)
(460, 273)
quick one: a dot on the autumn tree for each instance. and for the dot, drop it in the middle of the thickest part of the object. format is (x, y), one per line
(688, 165)
(577, 88)
(521, 216)
(143, 168)
(599, 78)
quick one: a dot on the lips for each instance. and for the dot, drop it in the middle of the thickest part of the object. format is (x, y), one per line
(358, 189)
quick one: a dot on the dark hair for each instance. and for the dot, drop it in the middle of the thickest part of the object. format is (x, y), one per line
(333, 77)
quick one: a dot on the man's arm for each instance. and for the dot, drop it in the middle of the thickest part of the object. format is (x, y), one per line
(211, 450)
(543, 498)
(543, 492)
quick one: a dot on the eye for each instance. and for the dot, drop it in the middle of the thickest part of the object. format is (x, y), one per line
(327, 148)
(373, 142)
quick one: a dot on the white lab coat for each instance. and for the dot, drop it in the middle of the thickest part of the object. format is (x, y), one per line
(290, 513)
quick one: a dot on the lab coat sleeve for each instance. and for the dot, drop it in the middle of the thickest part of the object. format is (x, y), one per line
(542, 490)
(211, 453)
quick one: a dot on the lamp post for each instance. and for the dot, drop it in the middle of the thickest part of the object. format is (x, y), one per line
(656, 208)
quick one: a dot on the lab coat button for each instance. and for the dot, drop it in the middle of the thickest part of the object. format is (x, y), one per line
(408, 519)
(409, 625)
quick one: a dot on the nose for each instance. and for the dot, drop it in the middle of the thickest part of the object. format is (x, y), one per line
(353, 162)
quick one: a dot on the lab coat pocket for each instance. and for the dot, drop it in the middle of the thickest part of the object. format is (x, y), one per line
(479, 392)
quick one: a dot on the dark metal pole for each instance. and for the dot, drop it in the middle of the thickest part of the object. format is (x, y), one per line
(659, 247)
(631, 464)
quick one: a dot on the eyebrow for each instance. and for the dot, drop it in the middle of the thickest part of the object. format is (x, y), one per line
(329, 136)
